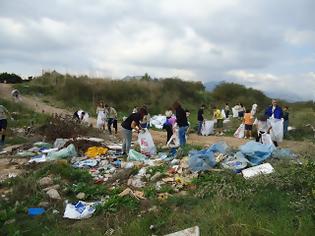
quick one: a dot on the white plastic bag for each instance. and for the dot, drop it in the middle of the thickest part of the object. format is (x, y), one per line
(240, 132)
(276, 132)
(80, 210)
(235, 112)
(174, 140)
(146, 143)
(207, 127)
(266, 139)
(265, 168)
(101, 117)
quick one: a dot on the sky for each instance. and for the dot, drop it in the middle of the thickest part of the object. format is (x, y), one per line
(267, 45)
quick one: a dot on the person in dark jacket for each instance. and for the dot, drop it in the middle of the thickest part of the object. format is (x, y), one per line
(182, 122)
(200, 118)
(132, 122)
(285, 120)
(274, 111)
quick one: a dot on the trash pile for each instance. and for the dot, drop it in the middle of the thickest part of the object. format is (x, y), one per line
(105, 163)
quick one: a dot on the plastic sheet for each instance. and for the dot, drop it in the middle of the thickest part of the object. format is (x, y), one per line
(80, 210)
(256, 152)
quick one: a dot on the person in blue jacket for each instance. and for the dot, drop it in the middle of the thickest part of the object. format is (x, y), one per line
(274, 111)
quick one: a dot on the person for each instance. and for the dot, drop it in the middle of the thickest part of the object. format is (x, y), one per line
(241, 111)
(111, 115)
(182, 123)
(217, 114)
(4, 114)
(248, 121)
(15, 95)
(101, 116)
(227, 110)
(262, 125)
(79, 116)
(285, 120)
(131, 122)
(169, 124)
(274, 111)
(200, 118)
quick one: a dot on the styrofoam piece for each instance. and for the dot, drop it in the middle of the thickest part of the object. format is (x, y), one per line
(265, 168)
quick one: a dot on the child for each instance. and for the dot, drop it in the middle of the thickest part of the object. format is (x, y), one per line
(263, 126)
(219, 117)
(248, 121)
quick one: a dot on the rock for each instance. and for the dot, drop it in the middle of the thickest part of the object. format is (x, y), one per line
(53, 194)
(156, 176)
(45, 181)
(80, 196)
(43, 204)
(57, 186)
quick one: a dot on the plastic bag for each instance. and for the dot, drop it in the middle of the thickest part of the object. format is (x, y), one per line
(235, 163)
(158, 121)
(63, 153)
(265, 168)
(133, 155)
(266, 139)
(207, 127)
(277, 130)
(80, 210)
(240, 132)
(256, 152)
(146, 143)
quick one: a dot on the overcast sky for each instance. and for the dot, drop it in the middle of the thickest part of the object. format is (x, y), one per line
(268, 45)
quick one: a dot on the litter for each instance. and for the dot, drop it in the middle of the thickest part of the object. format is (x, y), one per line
(146, 143)
(283, 153)
(235, 163)
(93, 152)
(265, 168)
(157, 121)
(207, 127)
(60, 143)
(136, 194)
(80, 210)
(240, 132)
(277, 130)
(85, 163)
(133, 155)
(49, 150)
(256, 152)
(42, 145)
(63, 153)
(194, 231)
(25, 154)
(35, 211)
(38, 159)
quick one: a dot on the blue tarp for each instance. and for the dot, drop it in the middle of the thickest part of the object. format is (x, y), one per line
(256, 152)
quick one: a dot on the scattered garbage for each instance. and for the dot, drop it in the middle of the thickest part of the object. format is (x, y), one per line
(136, 194)
(133, 155)
(194, 231)
(35, 211)
(67, 152)
(235, 163)
(93, 152)
(80, 210)
(265, 168)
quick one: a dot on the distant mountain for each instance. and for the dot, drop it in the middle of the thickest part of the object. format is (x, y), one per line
(210, 86)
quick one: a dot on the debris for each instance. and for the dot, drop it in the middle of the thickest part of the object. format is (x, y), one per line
(136, 194)
(45, 181)
(194, 231)
(35, 211)
(136, 182)
(146, 143)
(133, 155)
(53, 194)
(156, 176)
(60, 142)
(85, 163)
(67, 152)
(256, 152)
(42, 145)
(93, 152)
(235, 163)
(265, 168)
(80, 210)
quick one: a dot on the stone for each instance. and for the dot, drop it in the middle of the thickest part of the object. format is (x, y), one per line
(43, 204)
(80, 196)
(45, 181)
(57, 186)
(53, 194)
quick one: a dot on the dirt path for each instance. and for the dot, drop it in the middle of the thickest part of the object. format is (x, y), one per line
(37, 105)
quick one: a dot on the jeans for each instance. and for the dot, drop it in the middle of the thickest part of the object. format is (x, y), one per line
(285, 127)
(199, 126)
(127, 135)
(182, 135)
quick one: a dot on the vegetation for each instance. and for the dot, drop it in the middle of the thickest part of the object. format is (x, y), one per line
(10, 78)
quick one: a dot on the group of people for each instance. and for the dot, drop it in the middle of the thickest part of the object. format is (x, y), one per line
(106, 115)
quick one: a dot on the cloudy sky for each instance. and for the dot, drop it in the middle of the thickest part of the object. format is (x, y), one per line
(268, 45)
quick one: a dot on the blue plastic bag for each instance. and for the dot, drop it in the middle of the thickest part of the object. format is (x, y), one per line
(256, 152)
(35, 211)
